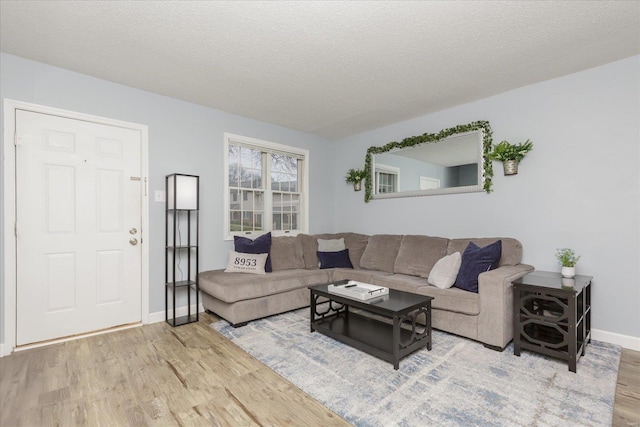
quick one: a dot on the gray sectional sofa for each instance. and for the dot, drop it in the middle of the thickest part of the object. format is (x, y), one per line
(395, 261)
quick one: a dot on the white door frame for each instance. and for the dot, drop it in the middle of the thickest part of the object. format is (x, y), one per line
(9, 210)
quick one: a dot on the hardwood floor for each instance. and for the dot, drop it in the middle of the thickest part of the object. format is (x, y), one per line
(626, 412)
(151, 375)
(185, 376)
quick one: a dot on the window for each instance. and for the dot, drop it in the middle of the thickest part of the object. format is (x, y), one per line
(265, 188)
(387, 179)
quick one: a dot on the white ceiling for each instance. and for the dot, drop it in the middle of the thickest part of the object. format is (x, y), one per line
(329, 68)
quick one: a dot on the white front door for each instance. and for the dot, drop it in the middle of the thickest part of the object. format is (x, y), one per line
(78, 204)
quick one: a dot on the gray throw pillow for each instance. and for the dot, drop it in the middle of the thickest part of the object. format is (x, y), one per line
(333, 245)
(444, 272)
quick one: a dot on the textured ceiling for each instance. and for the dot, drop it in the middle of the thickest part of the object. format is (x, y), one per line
(329, 68)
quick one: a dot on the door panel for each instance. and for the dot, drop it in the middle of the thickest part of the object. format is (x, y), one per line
(60, 281)
(75, 204)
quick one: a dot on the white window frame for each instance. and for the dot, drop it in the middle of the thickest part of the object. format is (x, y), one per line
(303, 218)
(390, 170)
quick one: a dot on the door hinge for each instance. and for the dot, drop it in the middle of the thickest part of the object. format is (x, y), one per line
(15, 229)
(145, 190)
(15, 138)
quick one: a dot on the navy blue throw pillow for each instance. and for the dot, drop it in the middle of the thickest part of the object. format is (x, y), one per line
(338, 259)
(476, 260)
(261, 245)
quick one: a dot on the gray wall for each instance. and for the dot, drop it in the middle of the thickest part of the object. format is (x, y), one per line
(579, 187)
(183, 137)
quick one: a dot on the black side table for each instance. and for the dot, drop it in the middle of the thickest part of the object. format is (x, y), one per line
(552, 315)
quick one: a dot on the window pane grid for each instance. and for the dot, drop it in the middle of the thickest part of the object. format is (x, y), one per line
(284, 173)
(250, 201)
(246, 209)
(386, 182)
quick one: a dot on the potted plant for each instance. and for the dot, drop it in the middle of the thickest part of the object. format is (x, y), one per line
(510, 155)
(355, 177)
(567, 259)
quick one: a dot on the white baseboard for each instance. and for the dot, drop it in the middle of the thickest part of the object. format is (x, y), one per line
(626, 341)
(158, 316)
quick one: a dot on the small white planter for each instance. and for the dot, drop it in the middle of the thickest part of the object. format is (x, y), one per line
(568, 272)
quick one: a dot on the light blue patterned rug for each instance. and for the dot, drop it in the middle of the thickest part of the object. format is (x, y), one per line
(458, 382)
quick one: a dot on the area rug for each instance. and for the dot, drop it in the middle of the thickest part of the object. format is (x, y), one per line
(458, 382)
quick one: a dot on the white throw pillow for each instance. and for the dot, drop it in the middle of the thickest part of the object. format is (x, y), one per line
(246, 263)
(335, 245)
(444, 273)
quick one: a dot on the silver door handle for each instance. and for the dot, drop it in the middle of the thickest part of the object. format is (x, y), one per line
(133, 231)
(133, 241)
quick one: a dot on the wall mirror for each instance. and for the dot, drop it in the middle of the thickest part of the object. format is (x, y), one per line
(451, 161)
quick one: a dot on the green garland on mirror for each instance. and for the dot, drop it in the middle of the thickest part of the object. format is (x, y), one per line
(435, 137)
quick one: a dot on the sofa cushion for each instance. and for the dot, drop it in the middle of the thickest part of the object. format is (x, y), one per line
(401, 282)
(476, 260)
(335, 259)
(360, 275)
(443, 275)
(356, 243)
(381, 252)
(246, 263)
(511, 248)
(229, 287)
(261, 245)
(286, 253)
(418, 254)
(451, 299)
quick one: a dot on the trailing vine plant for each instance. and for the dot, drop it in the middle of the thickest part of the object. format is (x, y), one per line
(428, 138)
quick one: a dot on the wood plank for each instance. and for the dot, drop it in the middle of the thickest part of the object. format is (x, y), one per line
(626, 412)
(152, 375)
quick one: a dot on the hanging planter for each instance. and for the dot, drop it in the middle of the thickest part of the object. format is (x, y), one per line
(510, 155)
(355, 177)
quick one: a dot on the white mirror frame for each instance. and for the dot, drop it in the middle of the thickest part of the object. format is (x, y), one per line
(485, 169)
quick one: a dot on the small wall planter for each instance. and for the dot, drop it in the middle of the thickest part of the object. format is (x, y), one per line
(355, 177)
(510, 155)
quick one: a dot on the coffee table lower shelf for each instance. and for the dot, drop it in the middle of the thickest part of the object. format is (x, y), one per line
(367, 334)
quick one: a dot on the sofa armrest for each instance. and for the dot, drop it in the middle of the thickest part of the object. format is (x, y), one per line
(495, 288)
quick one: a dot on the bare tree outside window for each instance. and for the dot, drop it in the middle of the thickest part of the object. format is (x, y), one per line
(246, 202)
(247, 168)
(285, 184)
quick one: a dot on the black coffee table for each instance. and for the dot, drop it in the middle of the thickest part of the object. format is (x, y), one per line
(331, 316)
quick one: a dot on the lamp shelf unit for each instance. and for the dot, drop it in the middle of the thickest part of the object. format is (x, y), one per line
(181, 247)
